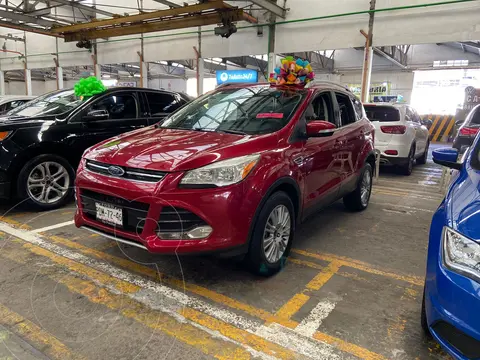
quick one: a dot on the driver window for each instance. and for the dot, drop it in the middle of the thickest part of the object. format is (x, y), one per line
(118, 106)
(320, 109)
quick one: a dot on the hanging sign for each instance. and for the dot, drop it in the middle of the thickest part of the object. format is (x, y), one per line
(472, 98)
(236, 76)
(127, 83)
(376, 89)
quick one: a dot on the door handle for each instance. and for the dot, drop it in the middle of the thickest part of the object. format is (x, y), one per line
(298, 160)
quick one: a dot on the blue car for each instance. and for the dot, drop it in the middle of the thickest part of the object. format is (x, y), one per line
(451, 303)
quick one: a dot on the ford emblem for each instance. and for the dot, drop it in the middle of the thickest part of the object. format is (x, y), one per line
(116, 171)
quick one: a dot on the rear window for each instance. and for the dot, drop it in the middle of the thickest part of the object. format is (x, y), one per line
(473, 117)
(382, 113)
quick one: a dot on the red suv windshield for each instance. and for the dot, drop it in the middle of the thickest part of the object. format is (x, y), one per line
(250, 110)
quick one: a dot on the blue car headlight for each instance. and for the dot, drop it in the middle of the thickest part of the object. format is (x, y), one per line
(461, 254)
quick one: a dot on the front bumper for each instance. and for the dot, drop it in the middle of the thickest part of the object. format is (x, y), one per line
(229, 211)
(451, 302)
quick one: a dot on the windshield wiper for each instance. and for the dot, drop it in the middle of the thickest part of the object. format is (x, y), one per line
(236, 132)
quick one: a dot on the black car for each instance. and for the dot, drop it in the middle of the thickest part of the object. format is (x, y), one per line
(468, 130)
(41, 142)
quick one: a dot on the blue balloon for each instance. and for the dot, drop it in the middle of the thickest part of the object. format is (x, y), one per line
(277, 70)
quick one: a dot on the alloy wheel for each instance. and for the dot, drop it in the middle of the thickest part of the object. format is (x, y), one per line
(276, 234)
(48, 182)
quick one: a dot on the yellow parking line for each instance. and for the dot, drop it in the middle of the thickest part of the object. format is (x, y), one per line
(152, 273)
(244, 337)
(353, 349)
(292, 306)
(326, 274)
(186, 333)
(17, 224)
(131, 309)
(360, 265)
(35, 335)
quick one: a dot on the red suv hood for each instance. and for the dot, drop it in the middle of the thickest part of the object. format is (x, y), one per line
(174, 150)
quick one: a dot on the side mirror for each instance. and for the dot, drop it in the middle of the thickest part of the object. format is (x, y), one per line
(320, 128)
(96, 115)
(447, 157)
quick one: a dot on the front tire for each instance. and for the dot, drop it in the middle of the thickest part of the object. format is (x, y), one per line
(358, 199)
(46, 182)
(272, 235)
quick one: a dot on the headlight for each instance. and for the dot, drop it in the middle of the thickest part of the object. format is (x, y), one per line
(4, 135)
(461, 254)
(222, 173)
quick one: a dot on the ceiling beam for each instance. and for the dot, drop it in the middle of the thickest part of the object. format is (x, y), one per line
(10, 25)
(25, 18)
(79, 6)
(168, 3)
(272, 7)
(213, 5)
(389, 57)
(182, 23)
(13, 38)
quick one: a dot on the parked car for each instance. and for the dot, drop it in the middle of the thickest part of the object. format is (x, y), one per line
(468, 130)
(41, 142)
(10, 102)
(451, 301)
(400, 135)
(232, 172)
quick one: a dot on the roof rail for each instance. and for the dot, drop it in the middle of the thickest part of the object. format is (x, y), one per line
(320, 82)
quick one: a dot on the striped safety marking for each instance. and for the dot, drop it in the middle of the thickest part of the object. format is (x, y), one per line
(442, 128)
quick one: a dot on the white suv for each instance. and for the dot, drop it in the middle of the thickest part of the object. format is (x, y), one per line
(399, 135)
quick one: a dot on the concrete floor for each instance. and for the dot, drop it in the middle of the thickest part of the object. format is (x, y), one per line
(351, 289)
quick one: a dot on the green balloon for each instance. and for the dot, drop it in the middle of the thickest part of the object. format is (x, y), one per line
(88, 87)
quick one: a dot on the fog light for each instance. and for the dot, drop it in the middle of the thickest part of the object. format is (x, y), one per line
(200, 232)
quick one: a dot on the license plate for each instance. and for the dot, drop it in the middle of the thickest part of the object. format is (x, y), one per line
(109, 214)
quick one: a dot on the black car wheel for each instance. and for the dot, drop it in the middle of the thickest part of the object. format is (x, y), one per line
(46, 182)
(423, 159)
(272, 235)
(359, 198)
(407, 169)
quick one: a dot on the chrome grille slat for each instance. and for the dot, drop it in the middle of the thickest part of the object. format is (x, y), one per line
(132, 174)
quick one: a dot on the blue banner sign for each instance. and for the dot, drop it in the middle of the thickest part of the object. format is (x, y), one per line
(236, 76)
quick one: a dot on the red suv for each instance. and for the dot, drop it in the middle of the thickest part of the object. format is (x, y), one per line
(232, 172)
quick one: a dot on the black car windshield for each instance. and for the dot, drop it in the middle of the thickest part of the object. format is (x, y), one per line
(54, 103)
(382, 113)
(253, 110)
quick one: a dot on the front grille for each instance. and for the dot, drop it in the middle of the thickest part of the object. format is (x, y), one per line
(464, 344)
(134, 212)
(130, 173)
(174, 219)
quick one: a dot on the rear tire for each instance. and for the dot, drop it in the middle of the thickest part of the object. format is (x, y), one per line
(423, 160)
(272, 235)
(408, 167)
(45, 182)
(358, 199)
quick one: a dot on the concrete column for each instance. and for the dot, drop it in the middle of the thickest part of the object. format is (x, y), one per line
(59, 71)
(201, 76)
(28, 82)
(143, 75)
(2, 83)
(98, 72)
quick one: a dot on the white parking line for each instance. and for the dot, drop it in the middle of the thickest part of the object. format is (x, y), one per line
(320, 312)
(162, 298)
(51, 227)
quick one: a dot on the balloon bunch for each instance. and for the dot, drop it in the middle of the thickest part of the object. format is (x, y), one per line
(88, 87)
(292, 72)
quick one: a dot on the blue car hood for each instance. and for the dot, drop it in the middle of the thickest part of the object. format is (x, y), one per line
(464, 204)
